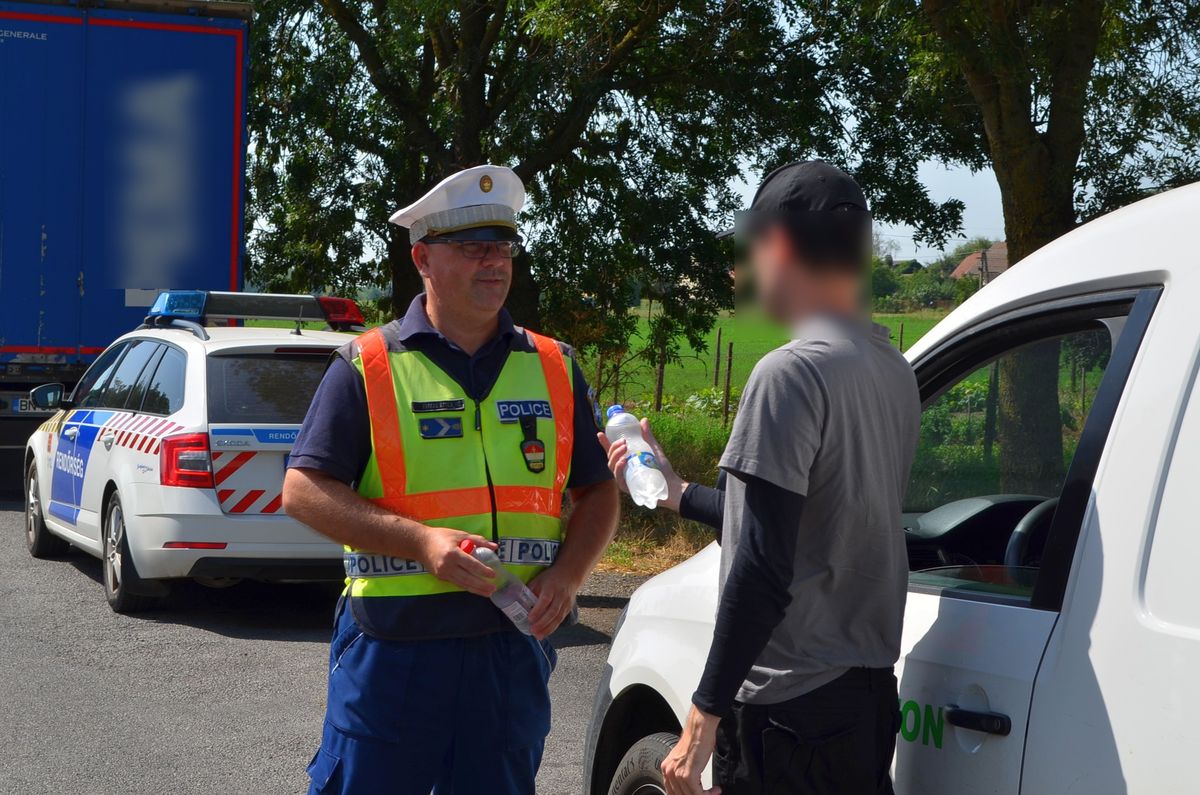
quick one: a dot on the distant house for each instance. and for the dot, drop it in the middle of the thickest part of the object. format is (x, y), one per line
(984, 265)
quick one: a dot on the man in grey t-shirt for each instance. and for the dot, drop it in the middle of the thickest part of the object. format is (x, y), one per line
(798, 694)
(832, 416)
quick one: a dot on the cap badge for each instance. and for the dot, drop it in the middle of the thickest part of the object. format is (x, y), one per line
(485, 183)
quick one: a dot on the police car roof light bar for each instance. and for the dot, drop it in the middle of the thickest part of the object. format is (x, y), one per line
(191, 309)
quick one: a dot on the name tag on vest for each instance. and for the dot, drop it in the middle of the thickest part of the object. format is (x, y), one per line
(514, 410)
(431, 406)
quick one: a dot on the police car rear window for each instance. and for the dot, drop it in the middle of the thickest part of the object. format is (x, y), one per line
(263, 387)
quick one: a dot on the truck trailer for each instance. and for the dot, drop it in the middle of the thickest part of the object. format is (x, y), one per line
(122, 161)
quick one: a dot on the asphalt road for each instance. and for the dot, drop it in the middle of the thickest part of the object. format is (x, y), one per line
(221, 692)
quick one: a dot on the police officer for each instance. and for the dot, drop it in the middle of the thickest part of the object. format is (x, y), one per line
(450, 423)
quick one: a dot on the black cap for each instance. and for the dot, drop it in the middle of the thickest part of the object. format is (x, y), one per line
(798, 190)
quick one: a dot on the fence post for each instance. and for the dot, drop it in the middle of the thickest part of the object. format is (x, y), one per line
(617, 381)
(728, 374)
(902, 336)
(717, 366)
(659, 375)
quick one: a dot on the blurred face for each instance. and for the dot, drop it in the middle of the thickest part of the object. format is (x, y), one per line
(778, 281)
(464, 286)
(789, 287)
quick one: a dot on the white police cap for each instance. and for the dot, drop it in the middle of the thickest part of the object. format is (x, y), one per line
(477, 197)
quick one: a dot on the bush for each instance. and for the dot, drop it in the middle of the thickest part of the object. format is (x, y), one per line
(692, 441)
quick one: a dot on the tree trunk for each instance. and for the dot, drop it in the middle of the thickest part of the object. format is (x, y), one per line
(406, 282)
(524, 294)
(1038, 207)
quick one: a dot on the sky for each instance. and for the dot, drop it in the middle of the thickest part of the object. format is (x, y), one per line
(982, 216)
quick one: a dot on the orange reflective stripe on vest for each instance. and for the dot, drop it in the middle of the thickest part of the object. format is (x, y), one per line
(385, 419)
(467, 502)
(562, 402)
(449, 503)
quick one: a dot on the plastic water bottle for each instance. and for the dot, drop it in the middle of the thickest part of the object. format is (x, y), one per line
(643, 475)
(512, 597)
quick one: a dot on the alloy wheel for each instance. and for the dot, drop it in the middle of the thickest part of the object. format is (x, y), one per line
(33, 508)
(112, 554)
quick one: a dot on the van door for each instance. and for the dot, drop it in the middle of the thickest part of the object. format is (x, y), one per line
(256, 403)
(992, 491)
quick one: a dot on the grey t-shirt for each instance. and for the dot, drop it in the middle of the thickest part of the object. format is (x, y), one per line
(832, 415)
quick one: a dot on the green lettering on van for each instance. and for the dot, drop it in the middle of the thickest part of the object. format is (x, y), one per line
(932, 726)
(929, 726)
(909, 733)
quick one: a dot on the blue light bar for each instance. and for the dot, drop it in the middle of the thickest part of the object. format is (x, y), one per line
(185, 304)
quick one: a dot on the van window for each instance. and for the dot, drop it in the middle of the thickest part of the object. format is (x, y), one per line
(263, 387)
(119, 387)
(986, 479)
(165, 393)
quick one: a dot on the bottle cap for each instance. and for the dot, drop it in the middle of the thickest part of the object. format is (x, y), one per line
(467, 545)
(613, 410)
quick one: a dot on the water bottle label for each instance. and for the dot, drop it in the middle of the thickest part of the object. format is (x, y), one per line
(644, 459)
(517, 613)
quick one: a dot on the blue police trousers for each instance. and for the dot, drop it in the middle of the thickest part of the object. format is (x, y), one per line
(456, 716)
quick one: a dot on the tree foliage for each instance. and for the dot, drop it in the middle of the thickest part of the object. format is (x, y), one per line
(1079, 106)
(630, 123)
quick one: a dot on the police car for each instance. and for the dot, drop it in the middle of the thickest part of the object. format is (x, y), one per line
(167, 459)
(1052, 633)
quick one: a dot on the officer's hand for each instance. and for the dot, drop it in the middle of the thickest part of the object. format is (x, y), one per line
(618, 454)
(443, 559)
(556, 596)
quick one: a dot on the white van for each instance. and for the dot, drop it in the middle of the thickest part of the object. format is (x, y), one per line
(1052, 635)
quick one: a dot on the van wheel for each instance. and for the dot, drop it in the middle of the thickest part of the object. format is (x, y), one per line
(119, 570)
(640, 770)
(38, 538)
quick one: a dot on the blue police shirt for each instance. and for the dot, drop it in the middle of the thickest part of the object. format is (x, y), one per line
(336, 436)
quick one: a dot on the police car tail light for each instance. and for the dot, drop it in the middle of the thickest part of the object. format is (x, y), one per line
(184, 460)
(341, 311)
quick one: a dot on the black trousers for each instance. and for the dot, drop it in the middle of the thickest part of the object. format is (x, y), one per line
(837, 740)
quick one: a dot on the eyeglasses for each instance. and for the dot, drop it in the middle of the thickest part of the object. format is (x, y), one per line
(478, 249)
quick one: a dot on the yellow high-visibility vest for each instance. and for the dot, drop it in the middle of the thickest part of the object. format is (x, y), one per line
(496, 467)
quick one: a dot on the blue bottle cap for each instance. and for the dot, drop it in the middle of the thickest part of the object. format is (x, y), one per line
(613, 410)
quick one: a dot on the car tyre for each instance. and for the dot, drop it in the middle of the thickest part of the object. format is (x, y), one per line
(38, 538)
(640, 770)
(120, 573)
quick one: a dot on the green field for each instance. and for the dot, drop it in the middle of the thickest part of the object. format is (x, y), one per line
(753, 335)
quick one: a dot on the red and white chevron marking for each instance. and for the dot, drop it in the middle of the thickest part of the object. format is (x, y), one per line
(141, 432)
(241, 500)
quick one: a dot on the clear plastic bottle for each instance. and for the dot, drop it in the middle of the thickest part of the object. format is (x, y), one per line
(512, 597)
(643, 475)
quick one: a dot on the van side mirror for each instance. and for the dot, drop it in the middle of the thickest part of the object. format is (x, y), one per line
(48, 396)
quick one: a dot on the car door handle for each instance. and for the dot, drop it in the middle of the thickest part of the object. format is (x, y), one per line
(71, 433)
(977, 720)
(108, 440)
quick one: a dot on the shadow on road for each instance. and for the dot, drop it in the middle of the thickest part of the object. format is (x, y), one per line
(295, 612)
(253, 610)
(579, 635)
